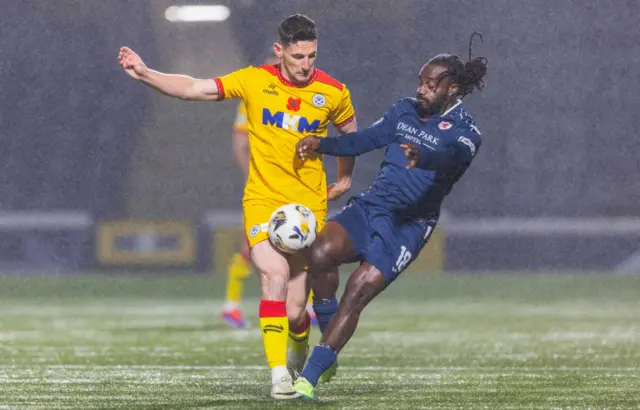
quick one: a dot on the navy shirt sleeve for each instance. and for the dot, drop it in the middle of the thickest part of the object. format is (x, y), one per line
(380, 134)
(459, 152)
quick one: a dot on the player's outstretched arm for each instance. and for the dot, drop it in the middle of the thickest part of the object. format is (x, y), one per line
(356, 143)
(380, 134)
(174, 85)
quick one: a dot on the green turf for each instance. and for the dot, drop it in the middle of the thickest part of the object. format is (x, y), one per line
(494, 342)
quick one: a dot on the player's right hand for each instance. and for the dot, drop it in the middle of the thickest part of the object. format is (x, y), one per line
(307, 146)
(132, 63)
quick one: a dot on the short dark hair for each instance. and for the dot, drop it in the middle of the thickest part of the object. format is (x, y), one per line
(297, 27)
(467, 76)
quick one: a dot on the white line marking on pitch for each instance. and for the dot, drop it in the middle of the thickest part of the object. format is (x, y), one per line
(351, 368)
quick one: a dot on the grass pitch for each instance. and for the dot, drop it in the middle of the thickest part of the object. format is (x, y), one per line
(494, 341)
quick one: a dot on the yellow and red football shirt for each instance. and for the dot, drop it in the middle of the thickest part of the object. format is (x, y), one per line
(279, 114)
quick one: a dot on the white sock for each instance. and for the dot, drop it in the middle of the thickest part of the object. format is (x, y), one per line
(278, 372)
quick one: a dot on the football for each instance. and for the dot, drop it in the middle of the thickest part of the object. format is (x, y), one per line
(292, 227)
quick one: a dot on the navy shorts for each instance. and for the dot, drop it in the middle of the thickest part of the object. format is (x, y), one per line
(387, 242)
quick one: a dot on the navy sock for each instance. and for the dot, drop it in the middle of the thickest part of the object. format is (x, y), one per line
(325, 311)
(322, 357)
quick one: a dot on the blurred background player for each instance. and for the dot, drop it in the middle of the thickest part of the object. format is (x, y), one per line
(284, 103)
(240, 267)
(431, 141)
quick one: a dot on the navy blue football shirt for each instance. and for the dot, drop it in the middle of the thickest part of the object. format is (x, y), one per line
(448, 143)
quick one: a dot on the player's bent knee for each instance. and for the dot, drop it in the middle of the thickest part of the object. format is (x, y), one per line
(322, 255)
(268, 261)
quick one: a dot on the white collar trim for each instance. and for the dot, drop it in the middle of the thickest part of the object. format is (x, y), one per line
(451, 109)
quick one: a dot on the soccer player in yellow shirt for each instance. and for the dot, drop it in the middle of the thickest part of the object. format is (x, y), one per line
(240, 268)
(285, 102)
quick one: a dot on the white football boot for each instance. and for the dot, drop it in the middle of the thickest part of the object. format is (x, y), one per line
(282, 384)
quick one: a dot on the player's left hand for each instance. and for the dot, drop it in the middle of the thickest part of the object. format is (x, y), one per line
(413, 154)
(337, 189)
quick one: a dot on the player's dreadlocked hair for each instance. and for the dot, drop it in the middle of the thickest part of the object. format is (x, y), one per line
(467, 76)
(297, 27)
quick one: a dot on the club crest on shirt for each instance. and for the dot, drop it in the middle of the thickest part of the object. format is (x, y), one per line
(319, 100)
(445, 125)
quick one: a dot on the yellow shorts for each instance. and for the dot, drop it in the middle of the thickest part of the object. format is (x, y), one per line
(256, 219)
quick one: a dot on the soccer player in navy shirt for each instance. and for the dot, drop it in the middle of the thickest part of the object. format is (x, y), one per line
(430, 142)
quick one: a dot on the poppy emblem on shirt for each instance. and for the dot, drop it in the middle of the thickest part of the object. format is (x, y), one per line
(293, 104)
(444, 125)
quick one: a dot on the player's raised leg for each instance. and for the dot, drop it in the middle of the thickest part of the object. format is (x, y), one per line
(237, 272)
(392, 245)
(274, 322)
(299, 318)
